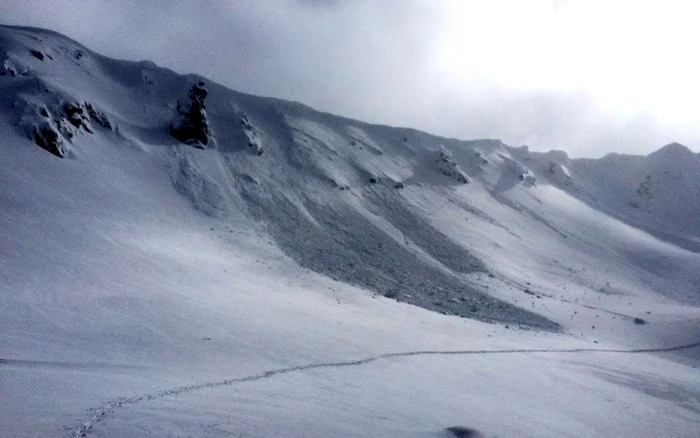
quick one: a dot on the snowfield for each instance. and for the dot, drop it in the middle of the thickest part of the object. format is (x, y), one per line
(293, 273)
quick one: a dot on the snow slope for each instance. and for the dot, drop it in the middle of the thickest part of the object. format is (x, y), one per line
(305, 274)
(659, 193)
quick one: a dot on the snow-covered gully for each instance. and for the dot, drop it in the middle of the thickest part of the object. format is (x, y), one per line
(100, 413)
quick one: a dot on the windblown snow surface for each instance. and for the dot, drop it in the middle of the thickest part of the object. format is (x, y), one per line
(307, 275)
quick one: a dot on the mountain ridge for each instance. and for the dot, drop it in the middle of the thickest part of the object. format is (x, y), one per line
(291, 161)
(291, 104)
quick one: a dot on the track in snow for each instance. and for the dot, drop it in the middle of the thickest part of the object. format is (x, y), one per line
(100, 413)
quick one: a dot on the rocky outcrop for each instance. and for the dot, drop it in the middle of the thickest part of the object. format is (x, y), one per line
(47, 136)
(10, 67)
(449, 167)
(252, 134)
(53, 126)
(527, 177)
(191, 125)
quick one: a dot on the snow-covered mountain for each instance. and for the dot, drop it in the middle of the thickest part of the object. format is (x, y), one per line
(659, 193)
(167, 240)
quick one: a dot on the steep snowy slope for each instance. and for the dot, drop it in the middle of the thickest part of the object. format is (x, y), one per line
(244, 282)
(659, 193)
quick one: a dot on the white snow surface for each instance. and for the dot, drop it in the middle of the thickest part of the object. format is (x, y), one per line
(149, 288)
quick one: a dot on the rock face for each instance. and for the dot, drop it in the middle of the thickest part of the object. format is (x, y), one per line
(191, 125)
(46, 136)
(252, 134)
(527, 177)
(11, 67)
(449, 167)
(98, 116)
(8, 68)
(53, 125)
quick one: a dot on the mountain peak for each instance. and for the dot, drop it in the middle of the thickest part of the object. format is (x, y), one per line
(672, 150)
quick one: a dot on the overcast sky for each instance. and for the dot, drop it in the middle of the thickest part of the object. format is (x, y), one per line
(586, 76)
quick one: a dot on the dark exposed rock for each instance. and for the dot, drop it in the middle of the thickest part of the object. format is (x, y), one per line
(54, 126)
(449, 167)
(48, 138)
(645, 188)
(252, 134)
(10, 68)
(98, 117)
(6, 70)
(391, 294)
(76, 116)
(463, 432)
(191, 125)
(37, 54)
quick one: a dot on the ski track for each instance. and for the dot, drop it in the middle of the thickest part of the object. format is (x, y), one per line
(101, 413)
